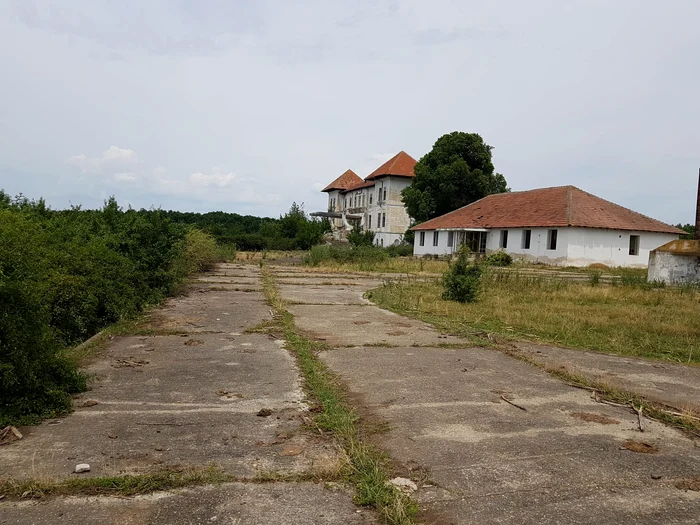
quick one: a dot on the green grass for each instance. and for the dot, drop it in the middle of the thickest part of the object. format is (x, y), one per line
(127, 485)
(625, 320)
(368, 468)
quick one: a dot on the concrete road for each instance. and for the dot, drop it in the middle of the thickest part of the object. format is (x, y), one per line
(490, 439)
(187, 399)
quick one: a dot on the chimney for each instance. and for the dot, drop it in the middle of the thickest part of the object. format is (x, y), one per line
(697, 212)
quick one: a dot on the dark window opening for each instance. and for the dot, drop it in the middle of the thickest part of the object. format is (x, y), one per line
(504, 239)
(527, 237)
(552, 240)
(436, 238)
(634, 244)
(422, 238)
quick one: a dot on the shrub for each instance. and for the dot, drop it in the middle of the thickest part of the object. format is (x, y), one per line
(499, 258)
(361, 254)
(199, 252)
(463, 279)
(359, 238)
(400, 250)
(594, 277)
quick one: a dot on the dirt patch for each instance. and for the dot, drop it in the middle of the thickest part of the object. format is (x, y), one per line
(193, 342)
(360, 322)
(638, 446)
(129, 363)
(595, 418)
(688, 484)
(396, 332)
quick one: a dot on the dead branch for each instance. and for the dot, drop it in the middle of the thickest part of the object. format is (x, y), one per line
(513, 404)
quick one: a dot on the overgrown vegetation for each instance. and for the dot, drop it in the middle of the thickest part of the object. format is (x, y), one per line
(624, 318)
(64, 275)
(499, 258)
(361, 258)
(292, 231)
(368, 467)
(689, 230)
(357, 237)
(463, 279)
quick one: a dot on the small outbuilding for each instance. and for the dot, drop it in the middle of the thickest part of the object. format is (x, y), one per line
(676, 262)
(562, 226)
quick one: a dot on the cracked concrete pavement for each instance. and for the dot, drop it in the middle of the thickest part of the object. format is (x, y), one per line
(188, 399)
(492, 439)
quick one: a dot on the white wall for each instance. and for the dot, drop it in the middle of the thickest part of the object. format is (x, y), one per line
(428, 248)
(397, 220)
(575, 246)
(611, 247)
(538, 251)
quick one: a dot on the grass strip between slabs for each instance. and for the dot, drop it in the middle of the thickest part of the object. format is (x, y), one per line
(368, 467)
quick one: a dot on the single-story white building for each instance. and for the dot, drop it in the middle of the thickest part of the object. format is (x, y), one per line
(562, 226)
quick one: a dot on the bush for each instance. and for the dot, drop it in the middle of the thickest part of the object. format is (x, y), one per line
(463, 279)
(499, 258)
(199, 252)
(65, 275)
(594, 277)
(359, 238)
(400, 250)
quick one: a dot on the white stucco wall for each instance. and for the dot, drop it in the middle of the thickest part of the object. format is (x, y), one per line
(611, 247)
(575, 246)
(674, 268)
(397, 219)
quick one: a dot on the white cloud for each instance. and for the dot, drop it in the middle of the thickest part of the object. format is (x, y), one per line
(216, 178)
(125, 177)
(112, 157)
(121, 155)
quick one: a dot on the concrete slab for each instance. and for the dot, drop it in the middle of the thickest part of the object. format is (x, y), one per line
(676, 385)
(328, 295)
(212, 311)
(336, 281)
(171, 400)
(229, 279)
(356, 325)
(229, 504)
(482, 460)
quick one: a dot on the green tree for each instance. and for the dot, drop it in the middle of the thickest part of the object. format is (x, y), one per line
(689, 230)
(456, 172)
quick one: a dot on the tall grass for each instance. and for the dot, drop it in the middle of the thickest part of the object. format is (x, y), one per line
(626, 320)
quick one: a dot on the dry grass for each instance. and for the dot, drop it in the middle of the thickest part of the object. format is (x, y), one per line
(656, 323)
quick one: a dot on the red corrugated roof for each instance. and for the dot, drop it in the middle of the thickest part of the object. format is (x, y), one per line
(400, 165)
(557, 207)
(345, 181)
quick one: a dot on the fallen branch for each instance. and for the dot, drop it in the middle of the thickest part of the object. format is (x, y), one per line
(513, 404)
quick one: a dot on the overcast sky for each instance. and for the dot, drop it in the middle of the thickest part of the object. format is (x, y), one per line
(248, 105)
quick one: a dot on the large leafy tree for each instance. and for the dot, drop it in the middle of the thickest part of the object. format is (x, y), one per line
(456, 172)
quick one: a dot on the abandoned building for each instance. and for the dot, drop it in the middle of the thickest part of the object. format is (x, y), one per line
(562, 226)
(678, 262)
(374, 203)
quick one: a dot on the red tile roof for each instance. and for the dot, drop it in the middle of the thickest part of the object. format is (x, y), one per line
(400, 165)
(363, 184)
(345, 181)
(557, 207)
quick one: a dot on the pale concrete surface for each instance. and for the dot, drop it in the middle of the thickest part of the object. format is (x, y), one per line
(229, 504)
(189, 400)
(323, 295)
(356, 325)
(479, 459)
(672, 384)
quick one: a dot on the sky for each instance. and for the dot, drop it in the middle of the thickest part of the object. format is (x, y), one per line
(248, 105)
